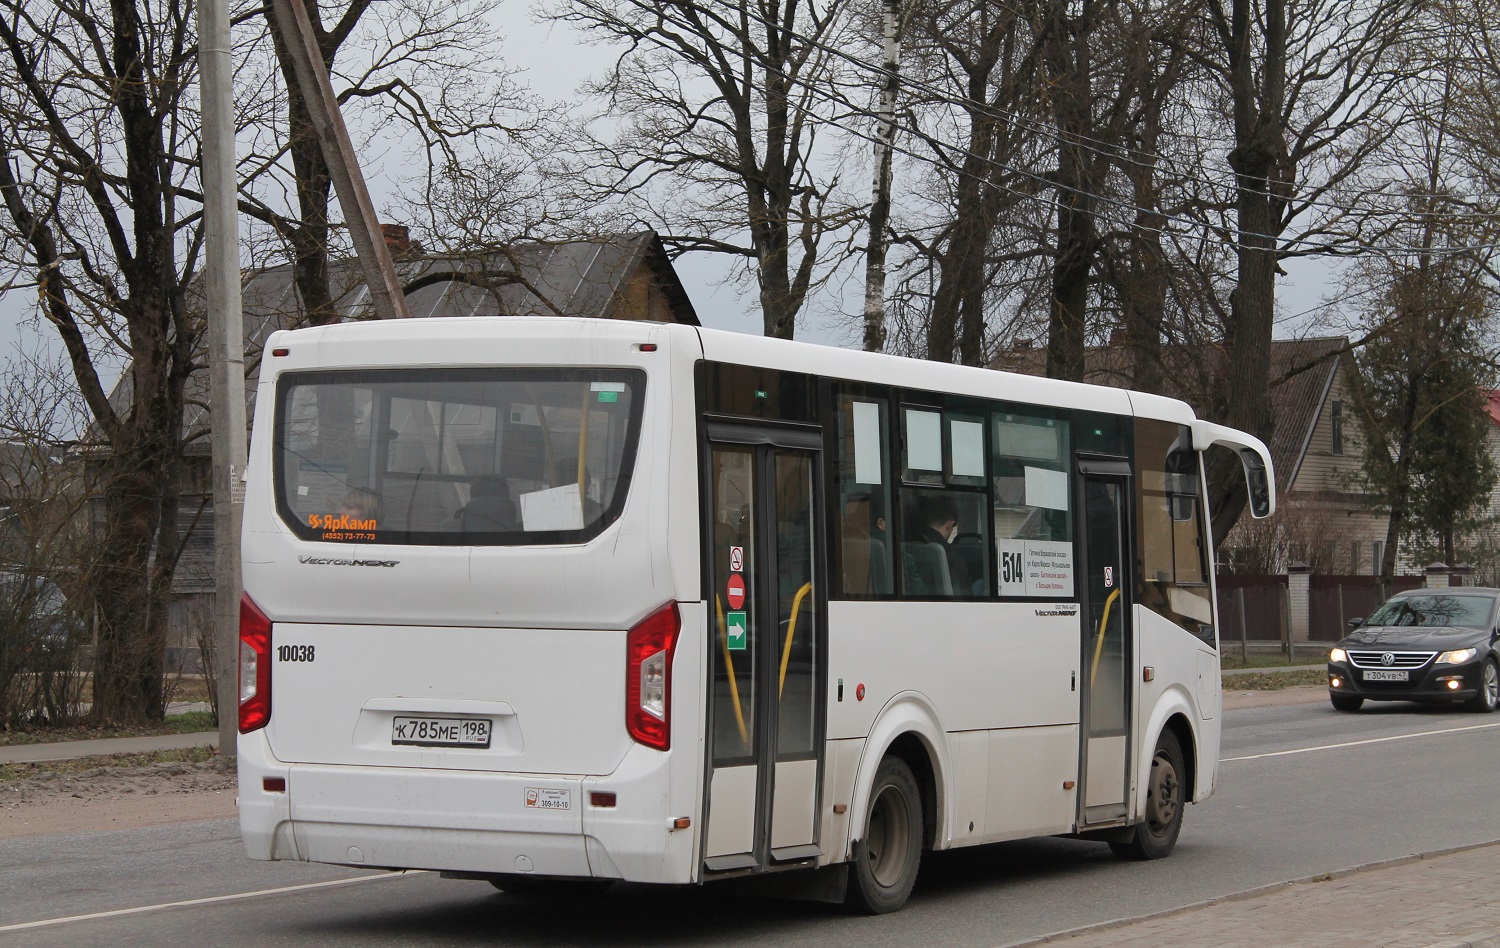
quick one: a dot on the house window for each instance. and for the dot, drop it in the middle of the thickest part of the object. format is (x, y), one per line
(1338, 427)
(1378, 553)
(1354, 558)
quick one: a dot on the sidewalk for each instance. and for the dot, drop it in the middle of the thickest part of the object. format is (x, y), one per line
(1436, 900)
(72, 750)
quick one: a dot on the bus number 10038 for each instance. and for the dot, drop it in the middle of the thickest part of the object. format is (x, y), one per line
(295, 653)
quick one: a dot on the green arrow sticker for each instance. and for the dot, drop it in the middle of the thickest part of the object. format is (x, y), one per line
(736, 627)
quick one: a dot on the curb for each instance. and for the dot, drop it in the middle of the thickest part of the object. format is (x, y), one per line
(1472, 941)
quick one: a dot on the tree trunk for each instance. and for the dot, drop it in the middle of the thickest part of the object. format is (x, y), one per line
(1065, 48)
(880, 199)
(1258, 161)
(309, 236)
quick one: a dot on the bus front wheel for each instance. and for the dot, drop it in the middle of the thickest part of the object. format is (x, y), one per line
(888, 853)
(1156, 835)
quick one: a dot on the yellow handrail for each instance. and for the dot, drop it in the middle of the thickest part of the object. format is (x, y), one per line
(791, 629)
(734, 686)
(1103, 624)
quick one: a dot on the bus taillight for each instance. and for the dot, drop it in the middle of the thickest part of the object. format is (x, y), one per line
(255, 666)
(648, 677)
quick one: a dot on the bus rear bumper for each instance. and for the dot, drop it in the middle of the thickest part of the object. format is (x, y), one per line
(465, 821)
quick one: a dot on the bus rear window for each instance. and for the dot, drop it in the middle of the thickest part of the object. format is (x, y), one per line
(455, 456)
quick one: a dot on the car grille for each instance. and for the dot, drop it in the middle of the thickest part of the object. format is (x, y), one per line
(1398, 659)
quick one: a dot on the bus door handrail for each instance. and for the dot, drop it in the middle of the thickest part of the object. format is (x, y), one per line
(1103, 627)
(791, 629)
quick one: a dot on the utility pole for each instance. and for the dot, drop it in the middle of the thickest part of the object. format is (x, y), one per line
(226, 348)
(343, 165)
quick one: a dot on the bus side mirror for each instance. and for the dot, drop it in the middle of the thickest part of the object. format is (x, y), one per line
(1257, 483)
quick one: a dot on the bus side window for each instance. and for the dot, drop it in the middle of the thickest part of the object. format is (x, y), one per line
(864, 496)
(945, 547)
(1033, 505)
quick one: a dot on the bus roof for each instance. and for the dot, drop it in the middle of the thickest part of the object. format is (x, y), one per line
(422, 339)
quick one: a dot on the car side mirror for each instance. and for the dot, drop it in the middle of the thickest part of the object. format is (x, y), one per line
(1356, 623)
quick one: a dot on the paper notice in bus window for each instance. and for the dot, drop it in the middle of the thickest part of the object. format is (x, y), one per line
(924, 440)
(968, 448)
(1036, 568)
(553, 509)
(1046, 488)
(866, 443)
(320, 486)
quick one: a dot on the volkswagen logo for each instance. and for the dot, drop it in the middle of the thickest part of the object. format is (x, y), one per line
(1388, 658)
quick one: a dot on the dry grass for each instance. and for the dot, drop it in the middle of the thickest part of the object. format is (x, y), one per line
(187, 755)
(189, 723)
(1274, 681)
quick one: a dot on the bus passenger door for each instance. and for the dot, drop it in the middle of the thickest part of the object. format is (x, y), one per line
(767, 679)
(1108, 653)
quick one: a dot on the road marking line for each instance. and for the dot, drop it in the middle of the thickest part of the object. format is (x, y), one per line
(1373, 740)
(43, 923)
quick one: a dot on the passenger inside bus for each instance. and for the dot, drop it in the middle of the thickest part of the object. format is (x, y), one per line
(866, 557)
(932, 521)
(941, 558)
(360, 504)
(490, 508)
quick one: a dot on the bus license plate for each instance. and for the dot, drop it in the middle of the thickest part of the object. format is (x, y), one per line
(1380, 675)
(441, 732)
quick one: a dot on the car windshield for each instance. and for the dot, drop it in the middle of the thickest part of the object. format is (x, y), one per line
(1430, 611)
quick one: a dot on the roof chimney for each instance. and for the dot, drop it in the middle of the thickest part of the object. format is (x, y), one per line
(397, 238)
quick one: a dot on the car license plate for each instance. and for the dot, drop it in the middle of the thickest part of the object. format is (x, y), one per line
(441, 732)
(1385, 675)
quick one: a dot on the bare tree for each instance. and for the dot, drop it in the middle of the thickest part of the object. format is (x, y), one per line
(422, 77)
(97, 142)
(45, 548)
(1309, 85)
(976, 64)
(714, 113)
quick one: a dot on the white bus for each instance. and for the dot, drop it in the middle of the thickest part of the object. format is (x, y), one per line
(546, 600)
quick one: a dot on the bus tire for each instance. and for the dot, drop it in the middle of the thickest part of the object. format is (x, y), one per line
(889, 851)
(1156, 835)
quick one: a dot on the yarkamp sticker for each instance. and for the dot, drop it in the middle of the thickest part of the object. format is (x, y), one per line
(545, 799)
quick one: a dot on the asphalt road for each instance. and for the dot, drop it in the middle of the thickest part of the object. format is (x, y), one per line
(1303, 790)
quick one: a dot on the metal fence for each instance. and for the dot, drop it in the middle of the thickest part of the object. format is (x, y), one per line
(1252, 608)
(1334, 600)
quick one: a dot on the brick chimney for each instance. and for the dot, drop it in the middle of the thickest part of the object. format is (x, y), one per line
(397, 239)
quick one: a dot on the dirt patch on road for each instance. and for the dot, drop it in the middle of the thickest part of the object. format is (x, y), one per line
(115, 797)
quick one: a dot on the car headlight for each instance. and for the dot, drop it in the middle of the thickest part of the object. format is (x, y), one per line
(1457, 657)
(1338, 655)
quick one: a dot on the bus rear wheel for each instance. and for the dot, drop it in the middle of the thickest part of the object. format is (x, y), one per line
(1156, 836)
(889, 852)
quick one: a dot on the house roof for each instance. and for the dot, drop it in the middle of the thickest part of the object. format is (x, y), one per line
(1492, 405)
(569, 278)
(1302, 373)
